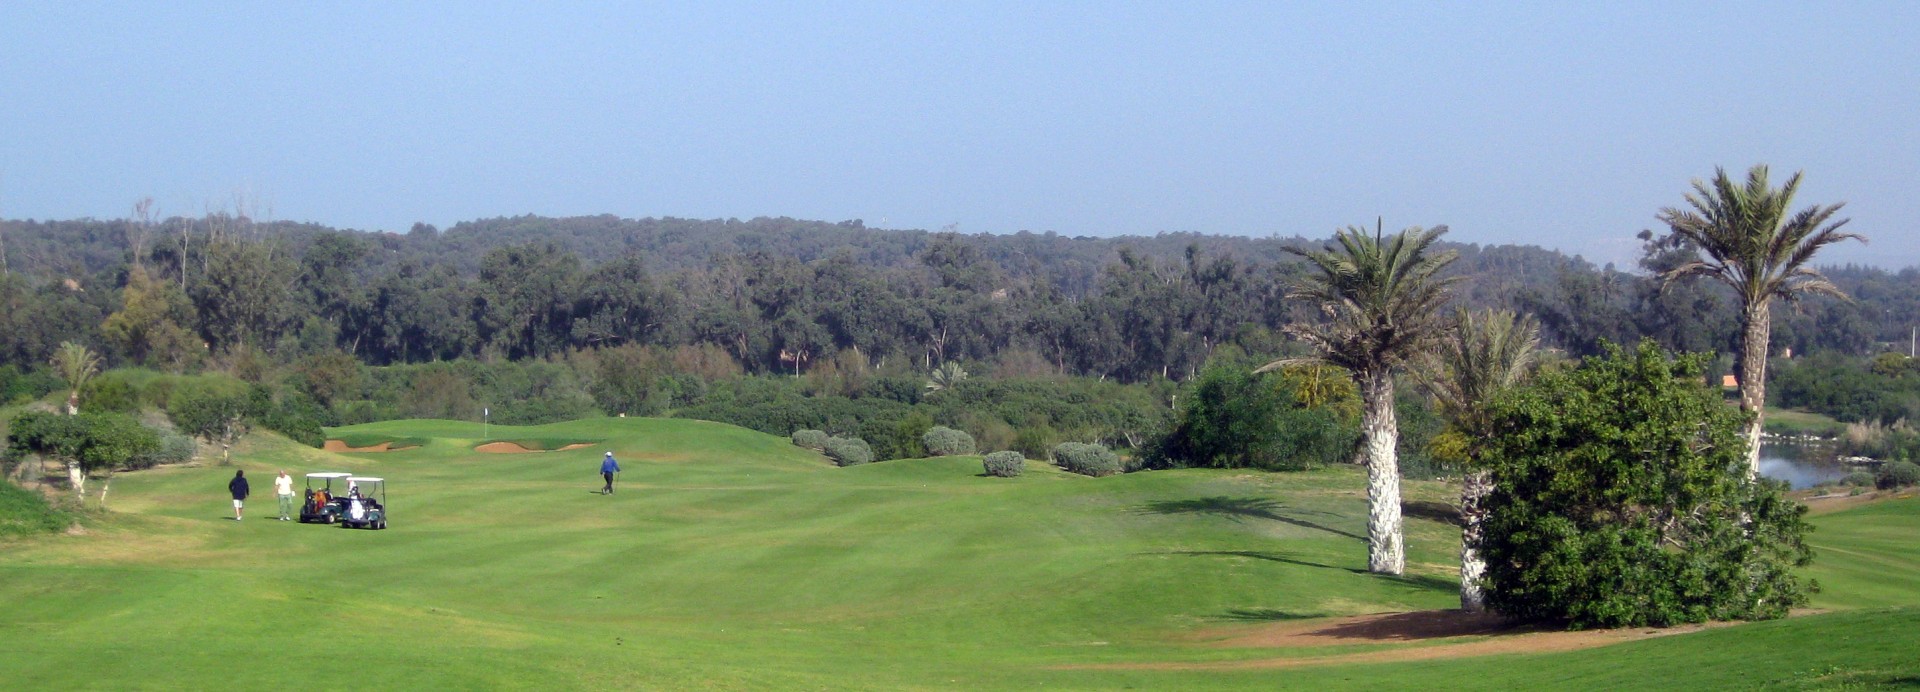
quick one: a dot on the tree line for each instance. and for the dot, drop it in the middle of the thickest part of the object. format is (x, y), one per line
(786, 296)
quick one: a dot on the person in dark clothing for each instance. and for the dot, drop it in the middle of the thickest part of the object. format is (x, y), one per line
(608, 467)
(238, 487)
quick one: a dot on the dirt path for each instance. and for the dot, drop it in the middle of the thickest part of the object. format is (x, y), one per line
(1428, 632)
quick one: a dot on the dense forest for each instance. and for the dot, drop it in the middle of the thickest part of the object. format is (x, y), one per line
(780, 295)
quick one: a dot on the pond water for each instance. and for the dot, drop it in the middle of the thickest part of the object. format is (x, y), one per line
(1801, 466)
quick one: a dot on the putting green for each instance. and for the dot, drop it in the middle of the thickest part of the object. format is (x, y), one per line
(731, 559)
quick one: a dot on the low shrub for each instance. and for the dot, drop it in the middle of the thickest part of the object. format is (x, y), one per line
(810, 439)
(942, 441)
(1005, 464)
(173, 449)
(1898, 474)
(1858, 479)
(1086, 459)
(848, 451)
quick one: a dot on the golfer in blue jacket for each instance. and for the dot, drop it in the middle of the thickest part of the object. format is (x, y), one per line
(608, 467)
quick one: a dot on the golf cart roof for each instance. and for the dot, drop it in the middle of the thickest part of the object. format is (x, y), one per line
(328, 475)
(366, 479)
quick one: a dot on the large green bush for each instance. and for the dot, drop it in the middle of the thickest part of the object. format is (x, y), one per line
(111, 391)
(173, 449)
(1898, 474)
(1086, 459)
(100, 443)
(849, 451)
(1234, 418)
(942, 441)
(1619, 501)
(1005, 464)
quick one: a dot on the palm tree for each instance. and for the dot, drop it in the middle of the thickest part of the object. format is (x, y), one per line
(76, 364)
(1750, 243)
(945, 377)
(1381, 298)
(1483, 355)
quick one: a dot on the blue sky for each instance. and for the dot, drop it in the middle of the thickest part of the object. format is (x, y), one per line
(1567, 125)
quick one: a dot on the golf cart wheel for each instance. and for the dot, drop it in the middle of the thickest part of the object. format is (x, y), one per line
(382, 526)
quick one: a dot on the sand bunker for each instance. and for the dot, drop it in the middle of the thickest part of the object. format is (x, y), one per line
(515, 448)
(1483, 635)
(340, 446)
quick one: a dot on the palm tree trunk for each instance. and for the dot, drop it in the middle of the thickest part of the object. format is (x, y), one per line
(1757, 329)
(1386, 552)
(78, 477)
(1474, 488)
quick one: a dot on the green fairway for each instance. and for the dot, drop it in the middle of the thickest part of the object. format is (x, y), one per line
(732, 559)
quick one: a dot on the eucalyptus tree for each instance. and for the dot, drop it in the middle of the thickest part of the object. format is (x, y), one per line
(1381, 299)
(1483, 355)
(1748, 240)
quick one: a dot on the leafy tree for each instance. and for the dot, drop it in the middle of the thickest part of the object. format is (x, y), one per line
(153, 325)
(328, 279)
(90, 443)
(245, 295)
(50, 435)
(216, 416)
(76, 364)
(1749, 242)
(109, 442)
(1619, 500)
(619, 304)
(528, 298)
(1381, 298)
(1482, 356)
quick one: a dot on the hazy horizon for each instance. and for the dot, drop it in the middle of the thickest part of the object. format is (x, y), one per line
(1567, 127)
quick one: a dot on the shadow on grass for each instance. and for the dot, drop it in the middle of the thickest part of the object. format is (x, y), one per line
(1241, 508)
(1425, 582)
(1268, 615)
(1443, 512)
(1426, 624)
(1270, 557)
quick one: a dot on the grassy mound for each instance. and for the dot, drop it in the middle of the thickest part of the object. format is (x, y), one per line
(733, 559)
(25, 513)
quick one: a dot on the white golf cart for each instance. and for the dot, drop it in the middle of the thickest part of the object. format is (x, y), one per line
(323, 505)
(365, 504)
